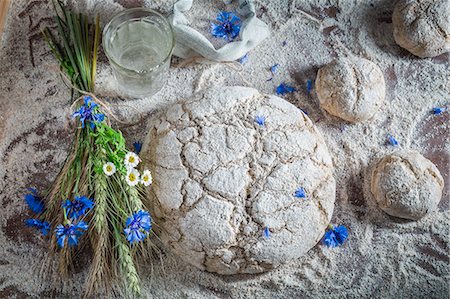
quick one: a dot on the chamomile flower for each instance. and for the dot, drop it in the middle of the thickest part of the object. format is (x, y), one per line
(109, 168)
(131, 160)
(132, 177)
(146, 178)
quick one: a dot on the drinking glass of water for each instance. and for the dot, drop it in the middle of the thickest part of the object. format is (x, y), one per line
(138, 43)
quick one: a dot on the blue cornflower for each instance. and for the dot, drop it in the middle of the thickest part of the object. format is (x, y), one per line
(266, 232)
(71, 232)
(274, 68)
(137, 226)
(438, 110)
(137, 147)
(228, 27)
(309, 85)
(335, 236)
(392, 140)
(283, 89)
(43, 226)
(34, 202)
(78, 207)
(300, 193)
(243, 59)
(87, 113)
(260, 120)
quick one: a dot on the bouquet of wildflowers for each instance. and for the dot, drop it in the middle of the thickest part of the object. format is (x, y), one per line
(97, 199)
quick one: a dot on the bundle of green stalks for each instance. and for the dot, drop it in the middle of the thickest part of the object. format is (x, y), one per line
(97, 202)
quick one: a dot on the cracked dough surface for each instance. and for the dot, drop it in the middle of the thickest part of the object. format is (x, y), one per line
(407, 185)
(220, 179)
(422, 26)
(351, 88)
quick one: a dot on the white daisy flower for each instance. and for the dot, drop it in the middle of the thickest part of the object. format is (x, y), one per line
(109, 168)
(132, 177)
(131, 160)
(146, 178)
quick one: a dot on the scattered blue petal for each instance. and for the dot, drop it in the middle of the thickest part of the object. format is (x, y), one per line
(71, 232)
(78, 207)
(300, 193)
(88, 113)
(274, 68)
(137, 147)
(303, 111)
(283, 89)
(260, 120)
(228, 27)
(138, 226)
(34, 202)
(43, 226)
(438, 110)
(335, 236)
(309, 85)
(266, 232)
(270, 79)
(243, 59)
(392, 140)
(284, 43)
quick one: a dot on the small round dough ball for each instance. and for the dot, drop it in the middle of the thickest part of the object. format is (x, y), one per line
(406, 185)
(422, 26)
(351, 88)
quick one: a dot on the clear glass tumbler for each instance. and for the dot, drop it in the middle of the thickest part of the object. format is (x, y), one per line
(138, 43)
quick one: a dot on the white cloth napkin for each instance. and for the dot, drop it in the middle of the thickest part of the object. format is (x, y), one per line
(191, 43)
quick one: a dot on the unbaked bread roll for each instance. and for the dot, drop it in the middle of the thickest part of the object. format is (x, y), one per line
(422, 26)
(351, 88)
(407, 185)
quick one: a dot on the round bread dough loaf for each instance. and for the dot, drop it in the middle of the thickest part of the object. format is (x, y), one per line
(224, 186)
(407, 185)
(422, 26)
(351, 88)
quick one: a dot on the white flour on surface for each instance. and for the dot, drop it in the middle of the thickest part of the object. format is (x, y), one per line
(384, 257)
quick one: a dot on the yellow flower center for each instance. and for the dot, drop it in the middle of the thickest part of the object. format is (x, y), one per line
(109, 168)
(132, 177)
(145, 178)
(131, 159)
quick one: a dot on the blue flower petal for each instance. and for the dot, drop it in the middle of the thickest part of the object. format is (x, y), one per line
(71, 231)
(274, 68)
(438, 110)
(244, 59)
(44, 227)
(392, 140)
(335, 236)
(309, 85)
(137, 147)
(266, 232)
(228, 27)
(283, 89)
(34, 202)
(300, 193)
(87, 113)
(260, 120)
(138, 226)
(78, 207)
(61, 240)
